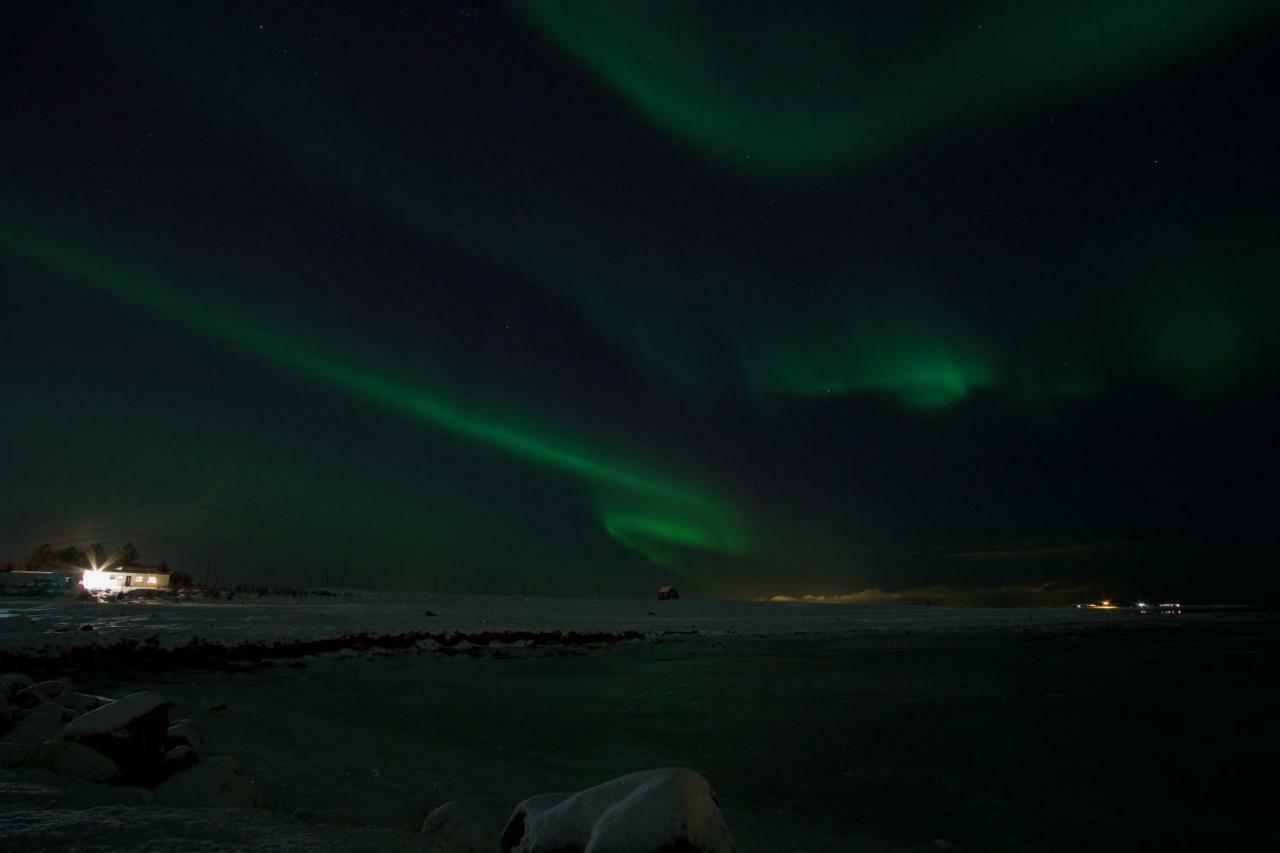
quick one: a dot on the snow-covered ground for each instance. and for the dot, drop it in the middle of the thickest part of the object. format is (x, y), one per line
(58, 622)
(43, 812)
(821, 727)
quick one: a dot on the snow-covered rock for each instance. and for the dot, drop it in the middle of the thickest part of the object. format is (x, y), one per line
(35, 726)
(118, 715)
(20, 735)
(130, 731)
(54, 710)
(66, 757)
(459, 826)
(34, 695)
(53, 688)
(178, 759)
(217, 780)
(75, 759)
(650, 811)
(15, 681)
(80, 702)
(184, 733)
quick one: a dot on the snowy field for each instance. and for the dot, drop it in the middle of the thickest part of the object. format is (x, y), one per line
(821, 727)
(30, 623)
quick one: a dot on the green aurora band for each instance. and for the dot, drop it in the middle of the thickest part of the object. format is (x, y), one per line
(663, 300)
(776, 90)
(675, 516)
(638, 292)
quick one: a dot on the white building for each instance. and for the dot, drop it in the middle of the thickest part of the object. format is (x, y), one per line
(124, 579)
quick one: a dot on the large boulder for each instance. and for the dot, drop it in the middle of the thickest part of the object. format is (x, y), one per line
(60, 756)
(669, 810)
(184, 733)
(130, 731)
(216, 780)
(35, 695)
(28, 698)
(459, 826)
(78, 703)
(53, 688)
(15, 681)
(53, 709)
(74, 759)
(178, 759)
(34, 727)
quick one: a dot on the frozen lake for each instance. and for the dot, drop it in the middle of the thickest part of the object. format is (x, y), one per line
(821, 728)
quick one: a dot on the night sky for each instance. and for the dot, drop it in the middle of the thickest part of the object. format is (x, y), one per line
(966, 302)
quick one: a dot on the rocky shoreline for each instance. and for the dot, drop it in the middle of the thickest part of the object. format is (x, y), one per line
(50, 725)
(131, 654)
(130, 743)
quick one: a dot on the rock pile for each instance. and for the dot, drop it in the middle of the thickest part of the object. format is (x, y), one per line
(49, 725)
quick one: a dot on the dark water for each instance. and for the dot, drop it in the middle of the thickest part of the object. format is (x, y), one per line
(1160, 737)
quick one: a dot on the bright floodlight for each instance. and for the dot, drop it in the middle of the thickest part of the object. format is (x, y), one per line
(95, 580)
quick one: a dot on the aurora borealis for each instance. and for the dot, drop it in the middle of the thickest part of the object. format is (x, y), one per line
(563, 296)
(782, 90)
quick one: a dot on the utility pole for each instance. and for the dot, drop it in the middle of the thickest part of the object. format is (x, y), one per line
(207, 567)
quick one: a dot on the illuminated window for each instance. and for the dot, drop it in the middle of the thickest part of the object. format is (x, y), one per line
(151, 579)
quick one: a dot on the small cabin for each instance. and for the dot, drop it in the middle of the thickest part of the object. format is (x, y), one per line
(667, 592)
(124, 579)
